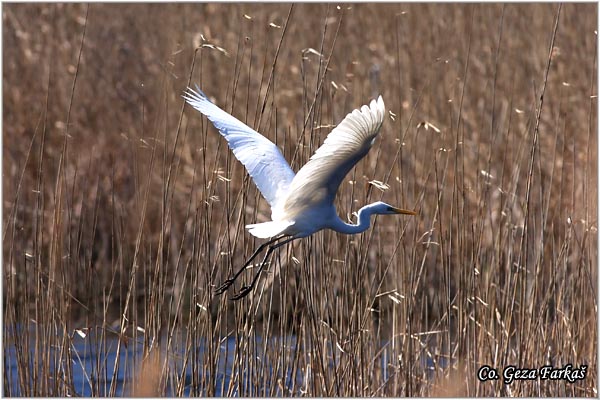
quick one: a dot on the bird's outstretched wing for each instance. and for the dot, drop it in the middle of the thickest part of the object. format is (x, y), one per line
(263, 160)
(346, 144)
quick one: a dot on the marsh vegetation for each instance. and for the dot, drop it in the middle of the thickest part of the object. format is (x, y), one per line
(123, 209)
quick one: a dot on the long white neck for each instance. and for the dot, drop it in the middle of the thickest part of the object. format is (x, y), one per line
(364, 221)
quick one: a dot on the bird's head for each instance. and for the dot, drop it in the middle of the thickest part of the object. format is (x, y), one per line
(380, 207)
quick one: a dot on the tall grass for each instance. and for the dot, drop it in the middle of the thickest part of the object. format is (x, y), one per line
(123, 209)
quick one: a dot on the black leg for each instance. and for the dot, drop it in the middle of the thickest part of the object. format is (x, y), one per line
(225, 285)
(247, 289)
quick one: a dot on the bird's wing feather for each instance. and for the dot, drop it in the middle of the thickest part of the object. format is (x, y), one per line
(261, 157)
(345, 145)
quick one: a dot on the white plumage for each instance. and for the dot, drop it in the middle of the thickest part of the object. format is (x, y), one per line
(302, 203)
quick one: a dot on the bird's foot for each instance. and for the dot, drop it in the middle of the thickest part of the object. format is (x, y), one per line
(244, 291)
(224, 286)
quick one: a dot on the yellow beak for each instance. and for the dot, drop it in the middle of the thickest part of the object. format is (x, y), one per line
(401, 211)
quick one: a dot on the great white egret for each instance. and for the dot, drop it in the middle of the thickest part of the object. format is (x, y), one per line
(302, 203)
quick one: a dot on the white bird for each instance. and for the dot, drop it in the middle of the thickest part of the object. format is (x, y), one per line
(302, 203)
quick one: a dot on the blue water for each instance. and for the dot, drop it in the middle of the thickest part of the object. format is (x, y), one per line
(92, 367)
(89, 362)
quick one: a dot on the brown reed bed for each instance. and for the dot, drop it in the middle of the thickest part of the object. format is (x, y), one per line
(123, 209)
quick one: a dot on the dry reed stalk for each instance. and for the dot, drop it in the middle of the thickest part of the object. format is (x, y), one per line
(123, 210)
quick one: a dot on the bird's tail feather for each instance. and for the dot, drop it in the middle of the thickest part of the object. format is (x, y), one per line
(268, 229)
